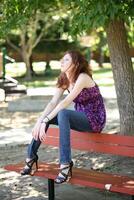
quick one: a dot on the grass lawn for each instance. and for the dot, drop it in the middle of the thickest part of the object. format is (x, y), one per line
(103, 76)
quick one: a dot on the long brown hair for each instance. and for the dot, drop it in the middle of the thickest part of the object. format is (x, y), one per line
(80, 66)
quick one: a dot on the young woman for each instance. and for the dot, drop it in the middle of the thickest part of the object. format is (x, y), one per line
(89, 114)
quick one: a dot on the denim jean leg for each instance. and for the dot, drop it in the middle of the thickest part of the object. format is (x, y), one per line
(33, 148)
(35, 144)
(67, 120)
(64, 129)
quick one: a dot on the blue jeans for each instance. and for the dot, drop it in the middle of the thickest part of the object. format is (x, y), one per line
(66, 120)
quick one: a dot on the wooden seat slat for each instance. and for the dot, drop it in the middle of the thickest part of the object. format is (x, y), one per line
(92, 142)
(96, 137)
(94, 147)
(89, 178)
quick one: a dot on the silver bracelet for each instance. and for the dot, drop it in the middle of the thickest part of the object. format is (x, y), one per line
(44, 121)
(47, 118)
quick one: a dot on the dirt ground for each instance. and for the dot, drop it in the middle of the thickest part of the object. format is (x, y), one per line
(16, 187)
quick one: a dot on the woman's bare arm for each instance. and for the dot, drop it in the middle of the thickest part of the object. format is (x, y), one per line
(53, 103)
(49, 108)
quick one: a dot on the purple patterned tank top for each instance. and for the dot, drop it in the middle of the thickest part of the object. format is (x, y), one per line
(90, 102)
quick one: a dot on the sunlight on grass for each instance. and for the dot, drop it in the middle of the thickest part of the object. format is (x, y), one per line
(16, 69)
(104, 76)
(55, 64)
(39, 66)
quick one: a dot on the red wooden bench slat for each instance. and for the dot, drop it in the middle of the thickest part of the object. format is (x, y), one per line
(96, 137)
(97, 147)
(89, 178)
(102, 143)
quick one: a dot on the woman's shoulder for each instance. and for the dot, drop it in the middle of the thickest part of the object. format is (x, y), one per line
(84, 75)
(89, 82)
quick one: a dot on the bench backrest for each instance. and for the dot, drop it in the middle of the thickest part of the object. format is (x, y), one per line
(95, 142)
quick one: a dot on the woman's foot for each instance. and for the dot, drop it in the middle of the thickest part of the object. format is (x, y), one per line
(65, 173)
(29, 164)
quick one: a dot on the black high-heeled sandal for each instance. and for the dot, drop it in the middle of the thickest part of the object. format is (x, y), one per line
(27, 170)
(65, 177)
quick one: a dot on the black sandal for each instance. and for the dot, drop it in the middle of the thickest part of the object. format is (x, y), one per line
(65, 177)
(28, 168)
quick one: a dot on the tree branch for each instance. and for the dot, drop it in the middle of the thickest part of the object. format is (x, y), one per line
(13, 45)
(37, 40)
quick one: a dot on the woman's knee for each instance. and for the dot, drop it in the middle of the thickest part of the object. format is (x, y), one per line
(62, 113)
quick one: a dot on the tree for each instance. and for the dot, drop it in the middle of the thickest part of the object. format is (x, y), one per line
(31, 20)
(113, 15)
(14, 13)
(30, 34)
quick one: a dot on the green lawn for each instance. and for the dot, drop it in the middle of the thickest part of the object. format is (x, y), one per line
(103, 76)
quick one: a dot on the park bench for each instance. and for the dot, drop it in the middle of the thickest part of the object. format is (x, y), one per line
(92, 142)
(7, 83)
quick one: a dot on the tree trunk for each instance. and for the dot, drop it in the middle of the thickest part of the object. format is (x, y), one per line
(101, 58)
(123, 74)
(31, 66)
(26, 59)
(48, 69)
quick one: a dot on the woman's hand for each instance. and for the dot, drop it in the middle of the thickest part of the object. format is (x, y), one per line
(42, 134)
(36, 129)
(39, 129)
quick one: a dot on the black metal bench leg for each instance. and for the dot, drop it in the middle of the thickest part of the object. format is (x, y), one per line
(132, 197)
(51, 193)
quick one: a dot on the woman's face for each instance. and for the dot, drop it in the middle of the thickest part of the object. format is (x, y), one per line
(66, 63)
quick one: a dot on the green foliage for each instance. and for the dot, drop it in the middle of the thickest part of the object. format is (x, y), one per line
(52, 21)
(15, 13)
(89, 14)
(86, 14)
(130, 33)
